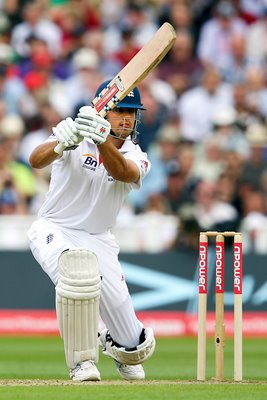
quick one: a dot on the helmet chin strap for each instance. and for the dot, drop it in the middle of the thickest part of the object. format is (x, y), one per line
(133, 131)
(120, 137)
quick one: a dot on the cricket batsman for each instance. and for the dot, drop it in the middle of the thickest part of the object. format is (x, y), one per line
(97, 165)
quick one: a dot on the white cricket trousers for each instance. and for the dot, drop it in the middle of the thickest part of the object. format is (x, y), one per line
(48, 241)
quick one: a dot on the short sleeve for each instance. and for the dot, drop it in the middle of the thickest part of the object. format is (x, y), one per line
(142, 162)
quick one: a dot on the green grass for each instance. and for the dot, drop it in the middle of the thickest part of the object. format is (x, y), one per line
(171, 373)
(157, 392)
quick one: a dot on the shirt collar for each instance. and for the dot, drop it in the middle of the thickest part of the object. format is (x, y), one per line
(127, 146)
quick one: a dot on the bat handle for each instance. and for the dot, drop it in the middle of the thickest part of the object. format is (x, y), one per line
(59, 148)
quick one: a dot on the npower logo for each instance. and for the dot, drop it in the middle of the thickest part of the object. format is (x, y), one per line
(219, 268)
(203, 268)
(238, 268)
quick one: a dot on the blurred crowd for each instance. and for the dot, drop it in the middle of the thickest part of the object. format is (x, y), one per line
(205, 128)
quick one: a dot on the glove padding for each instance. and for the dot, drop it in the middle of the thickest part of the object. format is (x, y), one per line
(92, 126)
(67, 133)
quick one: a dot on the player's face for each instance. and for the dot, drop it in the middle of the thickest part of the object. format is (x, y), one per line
(122, 121)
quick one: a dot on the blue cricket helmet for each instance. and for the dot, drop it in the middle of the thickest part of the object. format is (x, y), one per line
(132, 100)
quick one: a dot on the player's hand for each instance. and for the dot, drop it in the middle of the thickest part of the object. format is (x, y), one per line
(67, 133)
(91, 126)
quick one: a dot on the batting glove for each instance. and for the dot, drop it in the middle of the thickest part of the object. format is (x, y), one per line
(67, 135)
(91, 126)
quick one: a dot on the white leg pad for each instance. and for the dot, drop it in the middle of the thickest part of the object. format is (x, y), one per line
(77, 305)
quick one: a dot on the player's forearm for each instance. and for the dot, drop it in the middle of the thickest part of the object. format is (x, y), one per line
(118, 167)
(43, 155)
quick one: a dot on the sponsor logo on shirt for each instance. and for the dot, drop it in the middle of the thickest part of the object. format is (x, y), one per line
(90, 162)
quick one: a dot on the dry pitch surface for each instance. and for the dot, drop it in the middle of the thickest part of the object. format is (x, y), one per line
(58, 382)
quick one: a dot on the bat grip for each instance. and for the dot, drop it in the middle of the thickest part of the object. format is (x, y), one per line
(59, 148)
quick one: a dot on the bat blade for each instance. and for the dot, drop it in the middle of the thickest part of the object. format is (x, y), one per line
(151, 54)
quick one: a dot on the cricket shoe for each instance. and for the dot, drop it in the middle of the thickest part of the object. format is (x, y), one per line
(85, 371)
(130, 372)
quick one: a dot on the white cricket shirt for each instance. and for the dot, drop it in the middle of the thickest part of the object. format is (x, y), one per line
(82, 195)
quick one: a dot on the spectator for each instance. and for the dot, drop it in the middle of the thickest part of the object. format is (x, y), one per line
(35, 23)
(173, 194)
(186, 158)
(72, 28)
(245, 114)
(209, 162)
(239, 64)
(233, 165)
(162, 91)
(226, 190)
(38, 48)
(227, 135)
(15, 176)
(134, 16)
(180, 179)
(256, 34)
(180, 16)
(254, 167)
(12, 129)
(37, 92)
(182, 70)
(152, 121)
(202, 11)
(254, 222)
(197, 106)
(10, 14)
(138, 19)
(12, 88)
(43, 81)
(95, 40)
(39, 129)
(210, 213)
(227, 185)
(79, 89)
(40, 58)
(214, 48)
(11, 202)
(112, 12)
(251, 10)
(257, 91)
(128, 47)
(163, 153)
(263, 185)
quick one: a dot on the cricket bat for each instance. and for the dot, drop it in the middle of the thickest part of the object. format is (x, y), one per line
(150, 55)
